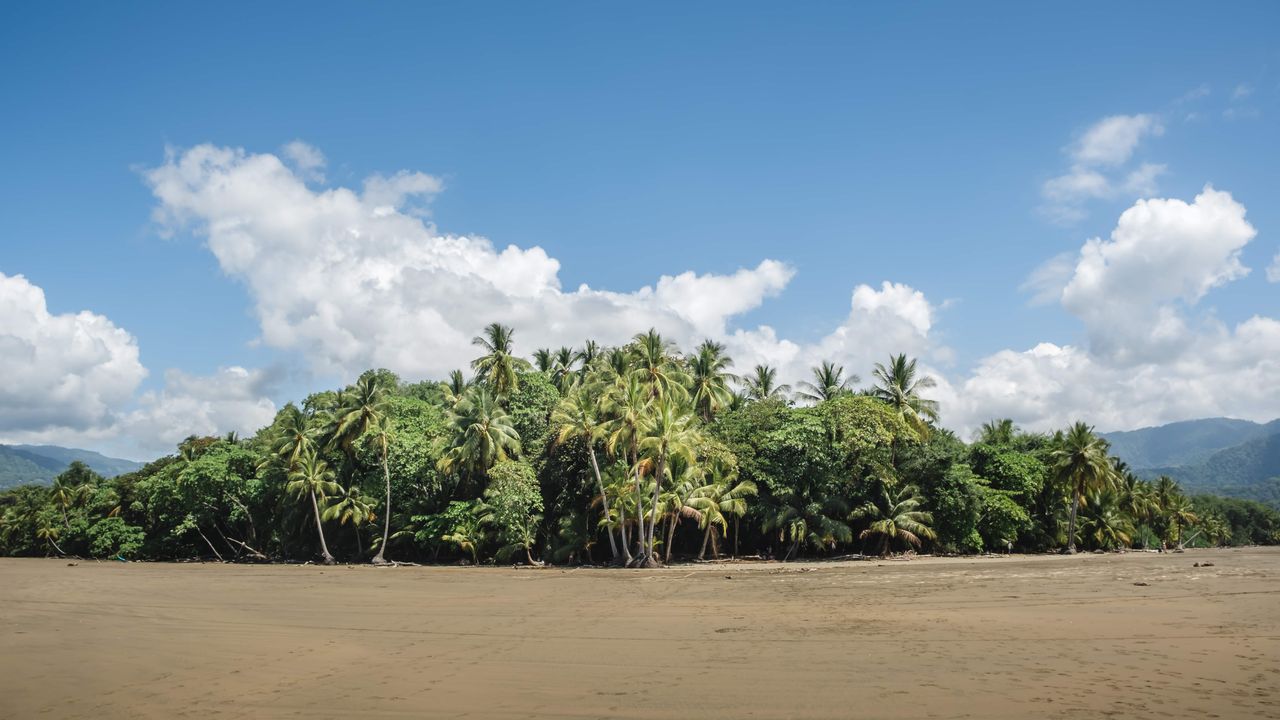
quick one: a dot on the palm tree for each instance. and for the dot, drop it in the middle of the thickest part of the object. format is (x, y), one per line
(63, 495)
(897, 385)
(312, 476)
(654, 361)
(562, 372)
(576, 416)
(895, 515)
(586, 357)
(294, 436)
(709, 372)
(716, 502)
(498, 366)
(997, 432)
(1081, 465)
(626, 405)
(49, 533)
(1179, 514)
(350, 507)
(482, 435)
(363, 409)
(542, 361)
(667, 432)
(452, 390)
(801, 520)
(762, 384)
(1107, 524)
(828, 383)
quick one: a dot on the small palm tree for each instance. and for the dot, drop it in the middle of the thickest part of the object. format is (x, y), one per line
(762, 384)
(828, 383)
(350, 507)
(895, 514)
(312, 477)
(717, 502)
(898, 385)
(498, 367)
(482, 435)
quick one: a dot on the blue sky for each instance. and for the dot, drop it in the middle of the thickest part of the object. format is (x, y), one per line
(856, 144)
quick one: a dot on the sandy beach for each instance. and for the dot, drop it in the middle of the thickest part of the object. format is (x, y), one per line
(1133, 635)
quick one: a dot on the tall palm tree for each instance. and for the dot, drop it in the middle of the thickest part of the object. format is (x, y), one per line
(762, 384)
(483, 435)
(63, 494)
(49, 532)
(1081, 466)
(709, 373)
(363, 409)
(577, 416)
(895, 514)
(654, 362)
(312, 477)
(295, 435)
(626, 406)
(498, 366)
(562, 372)
(666, 432)
(898, 385)
(828, 383)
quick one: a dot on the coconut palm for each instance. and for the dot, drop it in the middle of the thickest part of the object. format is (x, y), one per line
(577, 417)
(562, 371)
(312, 477)
(666, 432)
(452, 390)
(806, 520)
(997, 432)
(363, 409)
(63, 495)
(1179, 514)
(586, 356)
(716, 502)
(710, 376)
(350, 507)
(626, 405)
(762, 384)
(542, 360)
(898, 385)
(653, 360)
(895, 514)
(828, 383)
(482, 435)
(1081, 466)
(498, 367)
(48, 532)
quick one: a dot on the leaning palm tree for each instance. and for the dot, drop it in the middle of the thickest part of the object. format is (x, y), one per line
(482, 435)
(577, 417)
(895, 514)
(710, 376)
(898, 385)
(498, 367)
(63, 494)
(1081, 466)
(762, 384)
(312, 477)
(828, 383)
(363, 409)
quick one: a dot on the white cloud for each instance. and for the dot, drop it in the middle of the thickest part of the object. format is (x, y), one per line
(72, 379)
(1112, 140)
(1149, 359)
(353, 280)
(1273, 270)
(307, 160)
(1242, 91)
(59, 372)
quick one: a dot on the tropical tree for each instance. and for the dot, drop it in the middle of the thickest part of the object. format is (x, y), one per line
(452, 390)
(828, 383)
(483, 435)
(1081, 466)
(363, 409)
(586, 356)
(542, 360)
(895, 514)
(654, 363)
(350, 506)
(49, 532)
(627, 405)
(498, 367)
(716, 502)
(667, 432)
(562, 371)
(710, 376)
(997, 432)
(312, 477)
(762, 384)
(577, 417)
(899, 385)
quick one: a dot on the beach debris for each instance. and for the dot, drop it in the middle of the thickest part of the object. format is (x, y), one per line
(1142, 584)
(72, 564)
(728, 577)
(1208, 564)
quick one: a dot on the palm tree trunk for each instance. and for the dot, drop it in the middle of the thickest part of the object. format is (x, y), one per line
(1071, 525)
(386, 517)
(671, 534)
(635, 465)
(657, 490)
(315, 506)
(54, 543)
(703, 552)
(715, 543)
(604, 498)
(735, 535)
(626, 538)
(528, 557)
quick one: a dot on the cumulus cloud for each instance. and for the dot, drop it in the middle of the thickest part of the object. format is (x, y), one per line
(354, 280)
(307, 160)
(1096, 171)
(72, 379)
(1150, 358)
(67, 371)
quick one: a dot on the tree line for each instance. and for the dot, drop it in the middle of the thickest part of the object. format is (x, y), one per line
(635, 455)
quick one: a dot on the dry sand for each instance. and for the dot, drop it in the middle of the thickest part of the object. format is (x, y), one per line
(1014, 637)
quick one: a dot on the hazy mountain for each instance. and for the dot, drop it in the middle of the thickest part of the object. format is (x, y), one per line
(1236, 458)
(21, 464)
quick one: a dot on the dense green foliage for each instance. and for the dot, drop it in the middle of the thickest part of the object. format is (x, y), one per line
(636, 455)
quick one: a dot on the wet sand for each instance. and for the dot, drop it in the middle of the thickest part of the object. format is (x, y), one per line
(1021, 637)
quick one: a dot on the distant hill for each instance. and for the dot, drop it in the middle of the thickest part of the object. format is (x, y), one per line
(1235, 458)
(20, 464)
